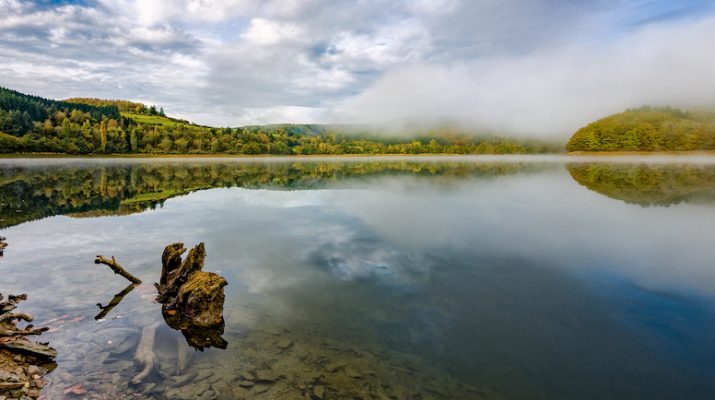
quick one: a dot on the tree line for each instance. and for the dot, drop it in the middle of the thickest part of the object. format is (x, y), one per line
(648, 129)
(30, 124)
(122, 105)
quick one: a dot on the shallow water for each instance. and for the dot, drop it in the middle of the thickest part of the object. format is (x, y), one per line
(474, 277)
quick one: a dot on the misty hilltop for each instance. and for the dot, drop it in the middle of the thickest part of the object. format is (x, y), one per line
(648, 129)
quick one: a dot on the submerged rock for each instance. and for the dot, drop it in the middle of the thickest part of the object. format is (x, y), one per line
(335, 366)
(265, 375)
(319, 392)
(284, 344)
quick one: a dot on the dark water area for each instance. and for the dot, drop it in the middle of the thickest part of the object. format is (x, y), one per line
(402, 278)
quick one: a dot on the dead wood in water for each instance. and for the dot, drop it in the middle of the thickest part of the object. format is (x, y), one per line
(114, 265)
(15, 317)
(192, 299)
(20, 359)
(25, 346)
(12, 337)
(11, 303)
(175, 273)
(28, 331)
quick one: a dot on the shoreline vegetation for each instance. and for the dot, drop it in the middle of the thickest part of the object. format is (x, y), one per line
(615, 153)
(573, 154)
(648, 129)
(32, 126)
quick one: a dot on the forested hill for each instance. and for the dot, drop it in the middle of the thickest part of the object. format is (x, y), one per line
(30, 124)
(648, 129)
(18, 110)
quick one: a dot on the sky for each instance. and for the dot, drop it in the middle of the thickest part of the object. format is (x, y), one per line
(523, 67)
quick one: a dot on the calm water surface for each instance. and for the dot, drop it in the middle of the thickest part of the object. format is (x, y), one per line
(429, 278)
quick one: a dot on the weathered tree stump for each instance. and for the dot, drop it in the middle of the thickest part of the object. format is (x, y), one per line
(192, 299)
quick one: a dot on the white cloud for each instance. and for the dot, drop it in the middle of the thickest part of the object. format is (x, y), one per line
(388, 45)
(432, 7)
(551, 92)
(538, 66)
(266, 32)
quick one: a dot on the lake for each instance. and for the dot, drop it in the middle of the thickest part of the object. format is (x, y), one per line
(389, 278)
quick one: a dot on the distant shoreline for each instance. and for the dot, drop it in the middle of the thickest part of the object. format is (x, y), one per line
(574, 156)
(643, 153)
(212, 155)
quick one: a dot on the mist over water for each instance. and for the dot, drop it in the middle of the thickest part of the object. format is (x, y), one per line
(514, 277)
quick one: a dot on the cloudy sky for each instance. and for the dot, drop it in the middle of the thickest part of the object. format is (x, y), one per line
(541, 67)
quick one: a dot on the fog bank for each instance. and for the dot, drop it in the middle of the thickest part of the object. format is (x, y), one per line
(554, 92)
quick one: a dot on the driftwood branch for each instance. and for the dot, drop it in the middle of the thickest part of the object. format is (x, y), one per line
(13, 339)
(15, 317)
(28, 331)
(24, 346)
(114, 265)
(114, 302)
(11, 302)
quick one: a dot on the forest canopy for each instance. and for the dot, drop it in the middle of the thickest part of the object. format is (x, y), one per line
(30, 124)
(648, 129)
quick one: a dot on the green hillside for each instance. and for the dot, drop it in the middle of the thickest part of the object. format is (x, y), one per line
(648, 129)
(30, 124)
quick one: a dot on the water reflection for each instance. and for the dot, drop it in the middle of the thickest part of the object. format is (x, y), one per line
(480, 280)
(105, 310)
(29, 192)
(648, 184)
